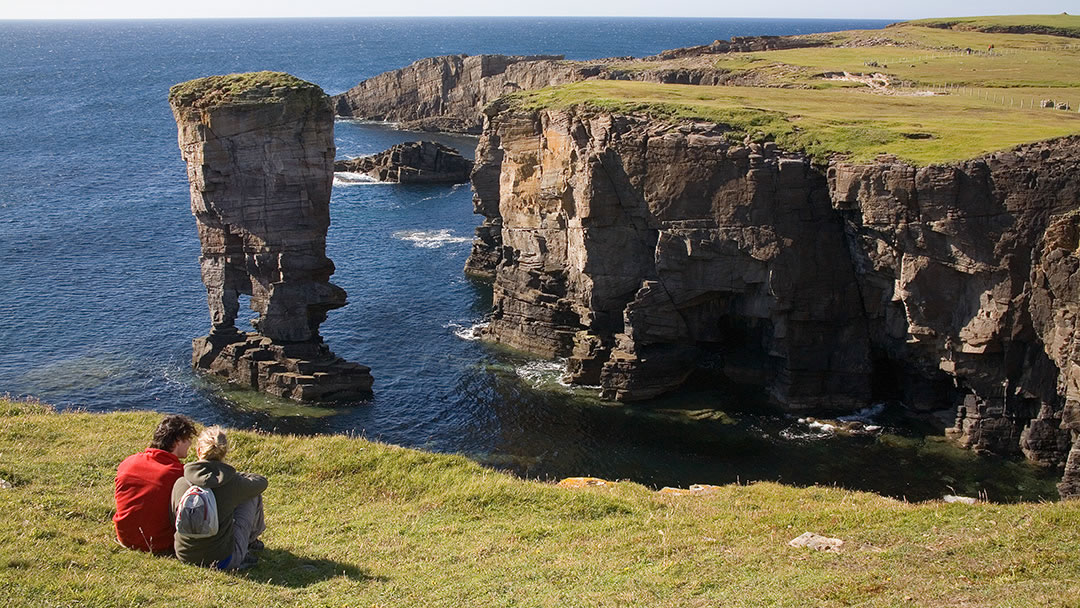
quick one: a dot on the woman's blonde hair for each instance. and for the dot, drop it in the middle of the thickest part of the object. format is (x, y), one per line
(212, 444)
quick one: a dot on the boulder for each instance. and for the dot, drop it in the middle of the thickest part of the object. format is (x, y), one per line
(416, 162)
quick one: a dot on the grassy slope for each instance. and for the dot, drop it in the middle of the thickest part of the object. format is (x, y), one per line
(354, 523)
(980, 113)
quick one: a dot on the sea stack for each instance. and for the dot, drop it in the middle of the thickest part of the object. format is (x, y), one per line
(260, 151)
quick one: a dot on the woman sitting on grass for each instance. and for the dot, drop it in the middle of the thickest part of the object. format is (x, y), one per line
(239, 507)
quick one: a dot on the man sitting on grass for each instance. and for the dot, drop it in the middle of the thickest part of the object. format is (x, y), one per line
(144, 483)
(239, 507)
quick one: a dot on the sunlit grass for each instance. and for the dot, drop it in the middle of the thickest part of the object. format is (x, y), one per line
(856, 123)
(356, 523)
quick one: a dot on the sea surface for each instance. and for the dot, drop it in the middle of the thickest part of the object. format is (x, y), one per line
(100, 293)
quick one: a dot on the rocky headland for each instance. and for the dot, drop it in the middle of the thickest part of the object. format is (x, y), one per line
(650, 233)
(415, 162)
(643, 250)
(260, 150)
(448, 93)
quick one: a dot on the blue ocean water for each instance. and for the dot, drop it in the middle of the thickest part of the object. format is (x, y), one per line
(101, 293)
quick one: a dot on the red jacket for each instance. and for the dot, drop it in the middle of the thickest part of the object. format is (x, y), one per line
(144, 483)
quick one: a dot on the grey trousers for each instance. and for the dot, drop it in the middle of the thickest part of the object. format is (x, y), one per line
(248, 524)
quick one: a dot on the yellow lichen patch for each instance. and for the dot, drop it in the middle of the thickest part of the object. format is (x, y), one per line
(584, 482)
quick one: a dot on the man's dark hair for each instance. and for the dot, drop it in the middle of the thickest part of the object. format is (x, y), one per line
(172, 430)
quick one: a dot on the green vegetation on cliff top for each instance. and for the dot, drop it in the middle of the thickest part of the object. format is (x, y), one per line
(248, 87)
(1058, 25)
(925, 94)
(356, 523)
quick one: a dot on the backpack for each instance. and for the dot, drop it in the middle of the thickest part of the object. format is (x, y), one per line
(196, 513)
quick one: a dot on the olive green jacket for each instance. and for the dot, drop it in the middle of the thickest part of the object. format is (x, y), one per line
(230, 489)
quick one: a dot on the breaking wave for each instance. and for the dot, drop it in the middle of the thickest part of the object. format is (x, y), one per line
(470, 333)
(348, 178)
(430, 239)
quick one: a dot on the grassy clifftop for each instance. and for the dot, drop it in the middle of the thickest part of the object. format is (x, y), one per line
(355, 523)
(1057, 25)
(244, 88)
(925, 94)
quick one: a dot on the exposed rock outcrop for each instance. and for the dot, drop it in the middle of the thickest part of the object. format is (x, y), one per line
(448, 93)
(260, 150)
(643, 250)
(450, 89)
(742, 44)
(414, 162)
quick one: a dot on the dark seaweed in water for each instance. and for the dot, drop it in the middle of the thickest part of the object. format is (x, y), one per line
(101, 294)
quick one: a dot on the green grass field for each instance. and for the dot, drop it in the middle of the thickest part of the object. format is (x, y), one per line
(356, 523)
(857, 123)
(947, 96)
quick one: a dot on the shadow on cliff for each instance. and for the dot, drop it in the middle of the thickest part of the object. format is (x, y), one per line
(286, 569)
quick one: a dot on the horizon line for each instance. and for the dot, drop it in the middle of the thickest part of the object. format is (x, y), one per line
(313, 17)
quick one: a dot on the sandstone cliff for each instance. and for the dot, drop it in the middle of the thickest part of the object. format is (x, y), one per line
(642, 250)
(448, 91)
(260, 151)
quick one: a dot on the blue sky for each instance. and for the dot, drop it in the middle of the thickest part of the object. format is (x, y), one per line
(112, 9)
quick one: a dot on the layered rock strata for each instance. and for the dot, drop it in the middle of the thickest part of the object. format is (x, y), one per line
(260, 150)
(423, 162)
(446, 93)
(643, 250)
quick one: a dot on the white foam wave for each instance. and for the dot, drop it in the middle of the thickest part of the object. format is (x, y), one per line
(430, 239)
(466, 332)
(348, 178)
(540, 373)
(797, 434)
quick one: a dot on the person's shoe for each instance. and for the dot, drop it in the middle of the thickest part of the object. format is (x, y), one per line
(256, 545)
(249, 561)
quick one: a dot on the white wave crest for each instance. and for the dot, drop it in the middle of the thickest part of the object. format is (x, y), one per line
(541, 373)
(348, 178)
(466, 332)
(793, 433)
(430, 239)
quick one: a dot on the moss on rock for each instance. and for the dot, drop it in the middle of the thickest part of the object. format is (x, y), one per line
(236, 89)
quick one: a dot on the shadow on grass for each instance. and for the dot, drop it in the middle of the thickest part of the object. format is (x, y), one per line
(285, 569)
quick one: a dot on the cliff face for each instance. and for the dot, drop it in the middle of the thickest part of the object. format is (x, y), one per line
(644, 250)
(260, 151)
(638, 249)
(445, 93)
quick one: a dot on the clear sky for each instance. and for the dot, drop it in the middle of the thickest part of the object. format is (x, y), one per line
(113, 9)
